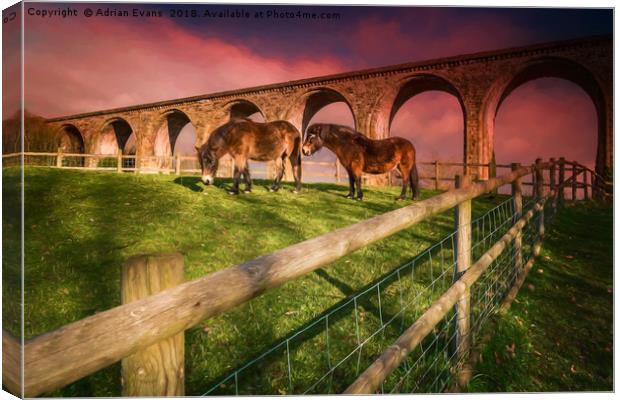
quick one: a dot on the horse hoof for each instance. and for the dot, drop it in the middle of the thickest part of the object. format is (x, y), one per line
(296, 191)
(273, 190)
(359, 199)
(247, 191)
(232, 193)
(348, 196)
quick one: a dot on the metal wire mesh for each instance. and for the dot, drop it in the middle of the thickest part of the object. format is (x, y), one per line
(328, 353)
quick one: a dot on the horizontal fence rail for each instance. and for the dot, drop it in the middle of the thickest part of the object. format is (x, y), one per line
(372, 315)
(81, 348)
(433, 174)
(374, 376)
(62, 356)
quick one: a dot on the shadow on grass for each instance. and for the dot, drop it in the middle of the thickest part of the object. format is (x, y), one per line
(313, 331)
(193, 183)
(89, 239)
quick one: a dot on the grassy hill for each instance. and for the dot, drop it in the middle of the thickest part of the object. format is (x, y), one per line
(558, 334)
(81, 226)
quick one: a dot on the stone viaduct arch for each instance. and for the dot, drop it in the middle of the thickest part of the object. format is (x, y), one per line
(113, 136)
(551, 67)
(480, 82)
(70, 139)
(411, 86)
(309, 103)
(169, 126)
(241, 108)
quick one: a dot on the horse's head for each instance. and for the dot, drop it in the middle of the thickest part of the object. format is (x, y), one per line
(314, 140)
(208, 163)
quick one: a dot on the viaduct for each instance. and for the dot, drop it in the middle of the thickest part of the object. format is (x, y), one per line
(479, 81)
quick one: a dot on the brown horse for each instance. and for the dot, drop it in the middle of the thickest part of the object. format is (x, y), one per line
(246, 140)
(358, 154)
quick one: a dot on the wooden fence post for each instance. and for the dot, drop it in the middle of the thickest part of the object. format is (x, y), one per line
(177, 165)
(59, 158)
(574, 184)
(539, 188)
(119, 161)
(585, 184)
(462, 221)
(561, 181)
(159, 369)
(551, 174)
(493, 166)
(337, 171)
(12, 358)
(552, 185)
(493, 171)
(517, 199)
(436, 175)
(597, 193)
(539, 181)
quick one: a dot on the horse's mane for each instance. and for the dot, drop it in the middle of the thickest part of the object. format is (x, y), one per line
(339, 129)
(239, 119)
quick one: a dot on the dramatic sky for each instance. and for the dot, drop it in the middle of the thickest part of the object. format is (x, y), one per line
(80, 64)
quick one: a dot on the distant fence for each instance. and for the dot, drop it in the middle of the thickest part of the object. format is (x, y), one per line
(436, 175)
(461, 281)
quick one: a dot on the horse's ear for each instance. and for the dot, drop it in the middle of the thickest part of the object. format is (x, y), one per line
(197, 148)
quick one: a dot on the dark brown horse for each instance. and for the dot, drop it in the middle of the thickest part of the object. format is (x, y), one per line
(246, 140)
(358, 154)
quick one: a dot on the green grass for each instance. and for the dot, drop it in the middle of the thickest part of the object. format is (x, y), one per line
(80, 226)
(558, 333)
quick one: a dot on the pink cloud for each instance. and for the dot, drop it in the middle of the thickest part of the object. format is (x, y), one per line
(113, 64)
(372, 35)
(469, 37)
(434, 35)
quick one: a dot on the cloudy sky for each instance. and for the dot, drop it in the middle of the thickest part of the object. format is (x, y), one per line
(81, 64)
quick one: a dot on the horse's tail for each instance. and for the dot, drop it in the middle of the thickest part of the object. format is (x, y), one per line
(298, 144)
(414, 181)
(295, 158)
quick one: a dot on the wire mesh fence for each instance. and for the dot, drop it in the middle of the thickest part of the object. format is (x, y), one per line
(329, 352)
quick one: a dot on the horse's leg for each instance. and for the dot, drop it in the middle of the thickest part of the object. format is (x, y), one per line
(247, 178)
(279, 174)
(295, 159)
(356, 171)
(404, 172)
(351, 185)
(239, 166)
(236, 176)
(414, 180)
(358, 182)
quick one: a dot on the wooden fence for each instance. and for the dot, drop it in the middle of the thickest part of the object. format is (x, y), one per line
(433, 174)
(156, 318)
